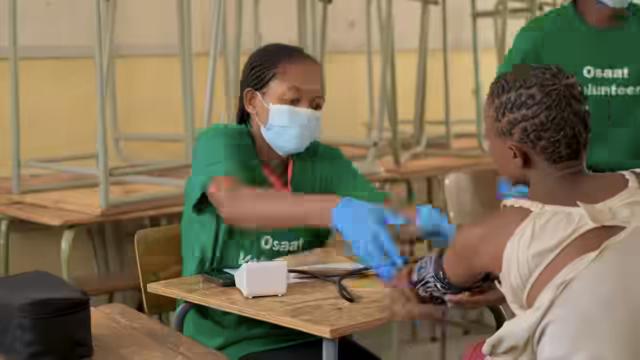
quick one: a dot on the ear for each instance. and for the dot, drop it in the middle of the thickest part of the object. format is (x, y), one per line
(249, 98)
(519, 156)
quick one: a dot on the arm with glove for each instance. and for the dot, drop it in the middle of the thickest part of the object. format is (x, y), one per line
(465, 274)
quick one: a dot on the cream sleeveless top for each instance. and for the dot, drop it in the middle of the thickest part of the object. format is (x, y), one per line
(536, 242)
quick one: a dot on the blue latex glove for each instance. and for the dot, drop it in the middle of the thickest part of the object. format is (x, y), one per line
(435, 226)
(364, 225)
(506, 190)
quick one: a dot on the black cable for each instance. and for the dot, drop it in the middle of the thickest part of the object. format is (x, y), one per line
(336, 279)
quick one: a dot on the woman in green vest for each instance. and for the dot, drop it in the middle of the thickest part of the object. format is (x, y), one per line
(264, 188)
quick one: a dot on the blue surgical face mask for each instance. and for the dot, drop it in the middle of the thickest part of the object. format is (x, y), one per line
(616, 4)
(289, 129)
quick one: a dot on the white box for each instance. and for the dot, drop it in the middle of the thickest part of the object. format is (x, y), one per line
(267, 278)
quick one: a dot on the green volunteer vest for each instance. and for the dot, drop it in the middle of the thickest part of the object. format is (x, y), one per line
(207, 242)
(607, 64)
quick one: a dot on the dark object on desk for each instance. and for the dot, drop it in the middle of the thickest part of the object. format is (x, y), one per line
(220, 278)
(43, 317)
(336, 277)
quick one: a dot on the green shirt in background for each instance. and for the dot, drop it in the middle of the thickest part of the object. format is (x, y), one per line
(607, 64)
(228, 150)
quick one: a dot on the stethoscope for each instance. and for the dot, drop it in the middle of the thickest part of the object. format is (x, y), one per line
(343, 291)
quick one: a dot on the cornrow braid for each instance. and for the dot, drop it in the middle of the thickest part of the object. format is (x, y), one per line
(262, 67)
(542, 107)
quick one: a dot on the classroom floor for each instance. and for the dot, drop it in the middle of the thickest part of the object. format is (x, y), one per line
(422, 347)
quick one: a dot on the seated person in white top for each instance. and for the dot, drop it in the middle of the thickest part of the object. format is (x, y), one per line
(570, 230)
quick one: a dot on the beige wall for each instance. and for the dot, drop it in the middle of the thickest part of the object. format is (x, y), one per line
(150, 26)
(58, 99)
(58, 94)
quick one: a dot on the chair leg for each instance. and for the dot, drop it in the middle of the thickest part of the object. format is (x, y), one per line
(181, 314)
(414, 330)
(465, 319)
(65, 249)
(4, 246)
(433, 333)
(443, 338)
(498, 316)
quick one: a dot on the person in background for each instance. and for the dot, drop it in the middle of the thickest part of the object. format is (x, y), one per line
(264, 188)
(595, 40)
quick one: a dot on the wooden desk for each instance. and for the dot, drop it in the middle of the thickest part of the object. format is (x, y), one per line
(86, 199)
(430, 166)
(70, 221)
(45, 208)
(314, 307)
(425, 166)
(120, 332)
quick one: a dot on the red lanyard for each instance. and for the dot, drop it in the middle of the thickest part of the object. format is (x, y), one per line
(275, 181)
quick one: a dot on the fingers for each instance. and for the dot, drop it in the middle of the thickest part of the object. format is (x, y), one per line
(405, 305)
(463, 300)
(407, 250)
(402, 279)
(386, 272)
(469, 300)
(393, 218)
(390, 248)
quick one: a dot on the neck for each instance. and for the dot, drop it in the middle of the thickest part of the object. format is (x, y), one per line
(599, 15)
(549, 182)
(265, 153)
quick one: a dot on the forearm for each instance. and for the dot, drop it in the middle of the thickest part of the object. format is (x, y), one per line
(275, 210)
(256, 208)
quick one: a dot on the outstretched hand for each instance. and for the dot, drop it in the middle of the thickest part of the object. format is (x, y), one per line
(405, 304)
(365, 226)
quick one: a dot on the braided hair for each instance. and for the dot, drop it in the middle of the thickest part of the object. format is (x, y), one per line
(542, 107)
(262, 67)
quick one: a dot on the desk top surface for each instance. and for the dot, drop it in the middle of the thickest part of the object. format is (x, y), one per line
(314, 307)
(120, 332)
(49, 214)
(430, 166)
(80, 205)
(59, 217)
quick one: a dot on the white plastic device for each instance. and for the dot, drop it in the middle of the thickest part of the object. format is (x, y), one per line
(266, 278)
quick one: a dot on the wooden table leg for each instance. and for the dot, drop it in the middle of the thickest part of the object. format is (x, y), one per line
(4, 245)
(329, 349)
(66, 244)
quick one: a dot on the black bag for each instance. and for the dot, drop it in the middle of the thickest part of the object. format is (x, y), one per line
(43, 317)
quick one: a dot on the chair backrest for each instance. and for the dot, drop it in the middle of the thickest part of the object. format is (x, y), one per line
(158, 257)
(470, 194)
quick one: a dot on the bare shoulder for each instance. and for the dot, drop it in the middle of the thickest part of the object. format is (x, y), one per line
(487, 238)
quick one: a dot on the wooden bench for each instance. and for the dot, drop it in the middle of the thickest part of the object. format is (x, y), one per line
(121, 333)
